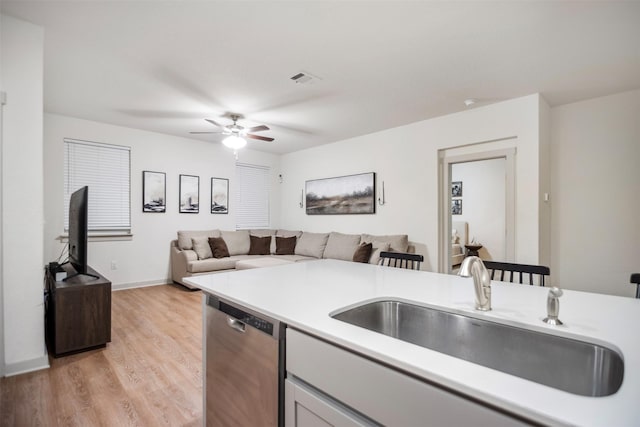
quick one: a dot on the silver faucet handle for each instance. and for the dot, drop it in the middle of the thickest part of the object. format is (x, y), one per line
(556, 292)
(553, 306)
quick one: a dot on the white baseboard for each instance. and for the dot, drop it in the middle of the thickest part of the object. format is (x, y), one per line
(25, 366)
(133, 285)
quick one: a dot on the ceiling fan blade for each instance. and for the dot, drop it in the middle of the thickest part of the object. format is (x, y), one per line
(203, 132)
(261, 138)
(213, 122)
(258, 128)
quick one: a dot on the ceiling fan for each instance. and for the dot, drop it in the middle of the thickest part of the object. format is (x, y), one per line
(237, 133)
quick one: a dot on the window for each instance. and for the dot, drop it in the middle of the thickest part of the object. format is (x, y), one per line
(105, 169)
(252, 196)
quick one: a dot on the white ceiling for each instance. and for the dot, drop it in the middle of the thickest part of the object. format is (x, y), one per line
(165, 66)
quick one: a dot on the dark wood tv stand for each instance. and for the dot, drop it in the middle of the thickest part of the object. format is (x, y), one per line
(78, 312)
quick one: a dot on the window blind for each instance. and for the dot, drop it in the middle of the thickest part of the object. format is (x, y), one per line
(252, 196)
(105, 168)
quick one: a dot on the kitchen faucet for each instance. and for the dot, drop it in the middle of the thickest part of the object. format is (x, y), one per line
(472, 266)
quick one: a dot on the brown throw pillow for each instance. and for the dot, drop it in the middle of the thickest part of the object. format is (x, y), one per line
(218, 247)
(363, 253)
(285, 245)
(260, 245)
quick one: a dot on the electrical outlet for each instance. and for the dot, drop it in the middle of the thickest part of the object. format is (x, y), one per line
(114, 265)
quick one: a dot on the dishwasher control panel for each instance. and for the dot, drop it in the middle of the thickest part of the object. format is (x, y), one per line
(247, 318)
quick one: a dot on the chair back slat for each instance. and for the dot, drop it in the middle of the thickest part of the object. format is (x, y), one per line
(532, 271)
(635, 278)
(401, 260)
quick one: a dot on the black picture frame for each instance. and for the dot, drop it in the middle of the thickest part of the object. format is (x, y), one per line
(456, 206)
(154, 192)
(342, 195)
(219, 196)
(456, 189)
(189, 200)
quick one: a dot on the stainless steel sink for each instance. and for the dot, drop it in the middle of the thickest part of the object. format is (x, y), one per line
(571, 365)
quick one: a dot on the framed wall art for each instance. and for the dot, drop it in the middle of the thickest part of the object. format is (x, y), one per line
(352, 194)
(456, 207)
(154, 192)
(219, 195)
(189, 194)
(456, 189)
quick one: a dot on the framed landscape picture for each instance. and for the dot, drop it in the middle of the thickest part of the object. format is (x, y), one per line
(352, 194)
(189, 194)
(219, 195)
(154, 192)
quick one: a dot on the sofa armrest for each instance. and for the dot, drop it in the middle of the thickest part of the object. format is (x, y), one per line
(179, 261)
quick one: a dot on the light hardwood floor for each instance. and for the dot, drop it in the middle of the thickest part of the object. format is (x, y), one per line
(150, 374)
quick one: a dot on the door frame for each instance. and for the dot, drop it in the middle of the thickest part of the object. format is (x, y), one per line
(444, 197)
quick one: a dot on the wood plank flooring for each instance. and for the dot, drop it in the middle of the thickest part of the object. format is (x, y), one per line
(150, 374)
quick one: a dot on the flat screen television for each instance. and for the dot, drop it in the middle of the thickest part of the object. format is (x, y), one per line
(78, 231)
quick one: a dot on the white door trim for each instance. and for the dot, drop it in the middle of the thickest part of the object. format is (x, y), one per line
(444, 197)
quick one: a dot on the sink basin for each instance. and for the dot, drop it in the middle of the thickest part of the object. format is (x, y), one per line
(570, 365)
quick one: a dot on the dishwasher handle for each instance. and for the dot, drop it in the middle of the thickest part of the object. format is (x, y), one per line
(235, 324)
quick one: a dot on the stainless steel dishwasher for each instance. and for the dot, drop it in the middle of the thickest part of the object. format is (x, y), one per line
(244, 366)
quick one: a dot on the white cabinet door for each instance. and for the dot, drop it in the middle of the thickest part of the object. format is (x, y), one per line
(306, 407)
(382, 394)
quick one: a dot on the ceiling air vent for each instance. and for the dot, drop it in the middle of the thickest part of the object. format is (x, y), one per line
(304, 78)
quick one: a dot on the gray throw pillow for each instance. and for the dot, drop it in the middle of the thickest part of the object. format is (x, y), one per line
(201, 247)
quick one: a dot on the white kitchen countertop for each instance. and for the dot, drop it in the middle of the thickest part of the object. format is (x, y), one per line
(303, 294)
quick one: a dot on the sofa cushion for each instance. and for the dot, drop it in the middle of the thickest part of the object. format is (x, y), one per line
(218, 247)
(363, 253)
(211, 264)
(312, 244)
(397, 242)
(295, 258)
(288, 233)
(376, 248)
(184, 237)
(259, 245)
(238, 242)
(201, 247)
(261, 232)
(285, 245)
(341, 246)
(261, 262)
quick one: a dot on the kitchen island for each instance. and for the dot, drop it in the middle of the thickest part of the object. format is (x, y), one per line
(303, 295)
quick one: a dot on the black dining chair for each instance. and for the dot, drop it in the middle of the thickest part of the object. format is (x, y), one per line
(635, 278)
(401, 260)
(532, 271)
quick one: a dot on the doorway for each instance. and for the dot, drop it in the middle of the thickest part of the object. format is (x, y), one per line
(477, 207)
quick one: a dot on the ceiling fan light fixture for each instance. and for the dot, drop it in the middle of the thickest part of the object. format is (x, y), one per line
(234, 141)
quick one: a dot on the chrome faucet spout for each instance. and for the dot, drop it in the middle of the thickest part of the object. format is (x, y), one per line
(473, 266)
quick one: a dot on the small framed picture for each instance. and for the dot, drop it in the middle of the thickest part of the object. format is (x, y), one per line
(456, 207)
(219, 195)
(456, 189)
(189, 194)
(154, 192)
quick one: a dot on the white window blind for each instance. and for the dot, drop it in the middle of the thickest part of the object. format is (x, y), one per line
(252, 196)
(105, 168)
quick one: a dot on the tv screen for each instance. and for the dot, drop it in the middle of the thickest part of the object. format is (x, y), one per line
(78, 229)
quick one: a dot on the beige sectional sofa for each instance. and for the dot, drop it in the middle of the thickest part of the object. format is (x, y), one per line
(191, 254)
